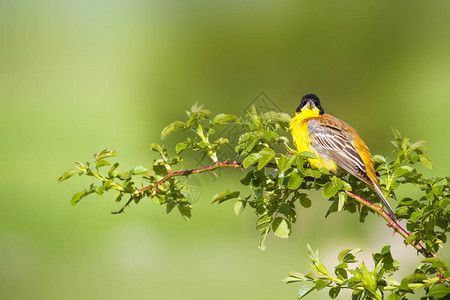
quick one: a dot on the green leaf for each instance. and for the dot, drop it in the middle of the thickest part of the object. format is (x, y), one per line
(396, 133)
(267, 155)
(185, 211)
(223, 119)
(177, 125)
(262, 239)
(239, 207)
(403, 170)
(342, 200)
(329, 190)
(334, 292)
(285, 162)
(139, 170)
(105, 154)
(276, 116)
(419, 145)
(394, 297)
(416, 278)
(299, 162)
(320, 284)
(348, 256)
(251, 159)
(379, 159)
(156, 147)
(180, 147)
(225, 196)
(304, 200)
(294, 277)
(77, 197)
(435, 262)
(426, 161)
(411, 238)
(67, 175)
(263, 222)
(439, 291)
(281, 227)
(305, 289)
(307, 154)
(251, 142)
(102, 163)
(294, 180)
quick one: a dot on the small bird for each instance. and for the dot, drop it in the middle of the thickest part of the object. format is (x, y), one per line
(334, 143)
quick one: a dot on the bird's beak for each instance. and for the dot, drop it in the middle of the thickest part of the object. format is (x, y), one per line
(310, 105)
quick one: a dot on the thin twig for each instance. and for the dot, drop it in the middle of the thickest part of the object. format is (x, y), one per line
(391, 223)
(179, 173)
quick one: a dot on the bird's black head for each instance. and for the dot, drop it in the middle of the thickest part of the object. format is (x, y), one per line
(311, 101)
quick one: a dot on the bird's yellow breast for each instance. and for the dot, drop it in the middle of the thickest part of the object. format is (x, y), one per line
(300, 136)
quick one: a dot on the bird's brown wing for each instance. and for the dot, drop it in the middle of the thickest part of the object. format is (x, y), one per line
(335, 144)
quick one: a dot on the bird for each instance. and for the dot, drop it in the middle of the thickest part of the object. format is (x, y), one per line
(335, 144)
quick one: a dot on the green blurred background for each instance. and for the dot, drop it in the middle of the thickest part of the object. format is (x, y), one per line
(80, 76)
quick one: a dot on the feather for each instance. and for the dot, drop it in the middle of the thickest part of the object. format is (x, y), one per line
(332, 142)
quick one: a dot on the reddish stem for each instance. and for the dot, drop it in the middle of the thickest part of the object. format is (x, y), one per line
(391, 223)
(179, 173)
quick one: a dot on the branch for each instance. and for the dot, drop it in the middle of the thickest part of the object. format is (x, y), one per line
(391, 223)
(378, 209)
(179, 173)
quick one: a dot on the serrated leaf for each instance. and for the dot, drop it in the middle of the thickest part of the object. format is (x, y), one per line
(251, 142)
(239, 207)
(394, 297)
(223, 119)
(281, 227)
(329, 190)
(294, 277)
(396, 133)
(439, 291)
(105, 154)
(334, 292)
(419, 145)
(379, 159)
(180, 147)
(307, 154)
(342, 200)
(156, 147)
(185, 211)
(77, 197)
(416, 278)
(139, 170)
(262, 239)
(267, 155)
(263, 222)
(305, 289)
(426, 162)
(348, 256)
(177, 125)
(102, 163)
(403, 170)
(251, 159)
(294, 181)
(225, 196)
(320, 284)
(285, 162)
(276, 116)
(435, 262)
(67, 175)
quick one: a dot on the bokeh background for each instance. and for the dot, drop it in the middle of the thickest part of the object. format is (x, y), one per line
(80, 76)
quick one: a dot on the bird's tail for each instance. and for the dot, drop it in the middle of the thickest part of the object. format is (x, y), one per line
(384, 201)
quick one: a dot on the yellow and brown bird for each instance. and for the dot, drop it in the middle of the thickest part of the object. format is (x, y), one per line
(334, 143)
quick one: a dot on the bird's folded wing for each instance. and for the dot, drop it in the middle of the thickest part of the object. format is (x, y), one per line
(339, 148)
